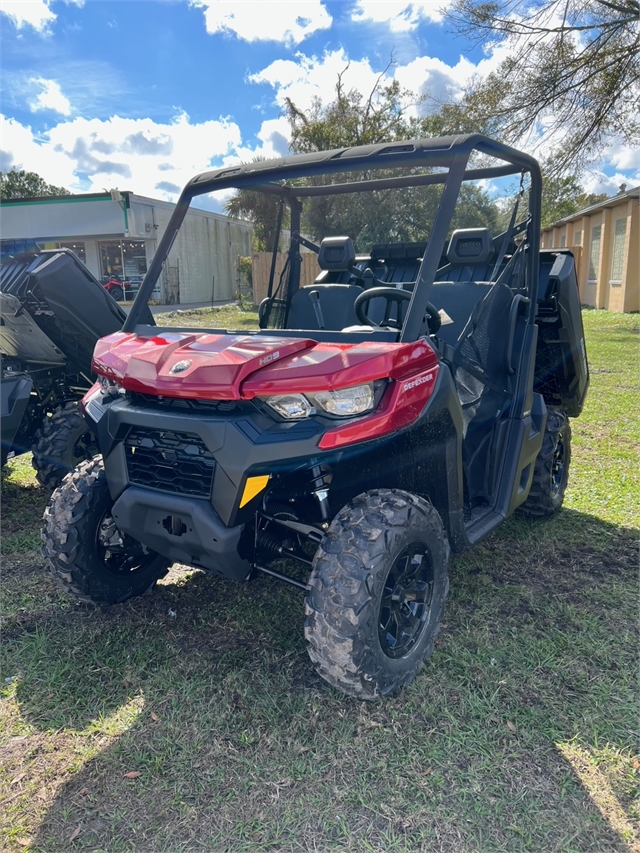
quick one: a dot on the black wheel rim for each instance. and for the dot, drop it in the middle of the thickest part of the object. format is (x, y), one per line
(406, 600)
(557, 467)
(119, 553)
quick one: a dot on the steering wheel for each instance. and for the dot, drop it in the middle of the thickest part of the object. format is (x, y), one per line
(391, 294)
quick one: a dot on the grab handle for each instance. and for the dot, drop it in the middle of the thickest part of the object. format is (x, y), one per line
(518, 300)
(314, 296)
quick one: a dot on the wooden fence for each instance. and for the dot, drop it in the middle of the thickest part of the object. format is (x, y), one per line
(261, 267)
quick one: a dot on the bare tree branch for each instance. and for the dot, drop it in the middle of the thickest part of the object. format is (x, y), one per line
(573, 71)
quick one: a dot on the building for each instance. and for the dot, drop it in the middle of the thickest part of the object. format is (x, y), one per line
(605, 239)
(117, 233)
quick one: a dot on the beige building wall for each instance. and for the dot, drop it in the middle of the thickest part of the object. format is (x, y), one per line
(606, 244)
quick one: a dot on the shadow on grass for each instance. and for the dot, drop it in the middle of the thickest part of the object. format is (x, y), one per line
(240, 746)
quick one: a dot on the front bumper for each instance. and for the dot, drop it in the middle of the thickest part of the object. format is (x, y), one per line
(182, 529)
(205, 528)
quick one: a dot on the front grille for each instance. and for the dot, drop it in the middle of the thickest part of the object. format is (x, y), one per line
(220, 407)
(175, 462)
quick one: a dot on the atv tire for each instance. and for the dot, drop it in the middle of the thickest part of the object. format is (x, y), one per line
(117, 293)
(378, 586)
(84, 548)
(62, 442)
(551, 469)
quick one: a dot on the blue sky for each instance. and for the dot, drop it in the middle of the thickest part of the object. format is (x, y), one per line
(143, 94)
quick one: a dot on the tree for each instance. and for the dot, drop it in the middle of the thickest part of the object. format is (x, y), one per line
(399, 215)
(385, 114)
(573, 73)
(346, 121)
(259, 208)
(563, 196)
(350, 119)
(21, 184)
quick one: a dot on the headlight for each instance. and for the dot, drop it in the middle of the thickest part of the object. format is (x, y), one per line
(346, 402)
(108, 386)
(291, 406)
(341, 403)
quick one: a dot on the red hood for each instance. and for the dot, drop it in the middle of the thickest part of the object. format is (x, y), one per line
(234, 367)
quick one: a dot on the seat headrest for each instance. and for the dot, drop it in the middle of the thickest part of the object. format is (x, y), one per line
(336, 253)
(470, 246)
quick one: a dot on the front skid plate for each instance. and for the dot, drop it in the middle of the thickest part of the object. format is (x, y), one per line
(184, 530)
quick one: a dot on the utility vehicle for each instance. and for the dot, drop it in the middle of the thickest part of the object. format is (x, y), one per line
(405, 403)
(52, 313)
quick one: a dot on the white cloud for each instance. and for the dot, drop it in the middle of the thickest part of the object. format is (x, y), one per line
(32, 13)
(402, 16)
(22, 150)
(434, 80)
(598, 182)
(50, 98)
(87, 155)
(624, 162)
(156, 160)
(625, 157)
(265, 20)
(274, 142)
(307, 77)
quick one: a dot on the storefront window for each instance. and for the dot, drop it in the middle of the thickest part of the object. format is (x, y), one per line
(111, 259)
(11, 248)
(135, 259)
(124, 259)
(76, 247)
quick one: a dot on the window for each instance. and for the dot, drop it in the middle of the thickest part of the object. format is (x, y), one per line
(10, 248)
(76, 247)
(134, 256)
(126, 259)
(563, 241)
(619, 234)
(577, 238)
(594, 254)
(111, 258)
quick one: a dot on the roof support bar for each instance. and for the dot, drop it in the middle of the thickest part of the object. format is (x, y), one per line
(420, 298)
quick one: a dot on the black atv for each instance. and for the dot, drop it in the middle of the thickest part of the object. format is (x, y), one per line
(407, 402)
(52, 312)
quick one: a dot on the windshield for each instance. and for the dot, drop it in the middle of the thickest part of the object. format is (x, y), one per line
(377, 217)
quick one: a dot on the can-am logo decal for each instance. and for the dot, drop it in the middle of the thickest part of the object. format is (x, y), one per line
(269, 358)
(419, 381)
(180, 366)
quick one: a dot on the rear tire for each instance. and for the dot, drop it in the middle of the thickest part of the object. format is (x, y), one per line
(85, 550)
(378, 587)
(62, 442)
(551, 470)
(117, 293)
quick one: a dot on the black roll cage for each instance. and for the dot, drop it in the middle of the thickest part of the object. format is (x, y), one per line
(447, 153)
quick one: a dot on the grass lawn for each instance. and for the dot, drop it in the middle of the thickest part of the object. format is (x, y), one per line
(191, 719)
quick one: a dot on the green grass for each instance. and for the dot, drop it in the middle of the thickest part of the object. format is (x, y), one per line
(519, 734)
(232, 317)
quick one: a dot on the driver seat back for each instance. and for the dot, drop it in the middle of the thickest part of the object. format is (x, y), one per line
(336, 304)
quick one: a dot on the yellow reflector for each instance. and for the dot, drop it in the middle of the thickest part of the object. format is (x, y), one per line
(253, 487)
